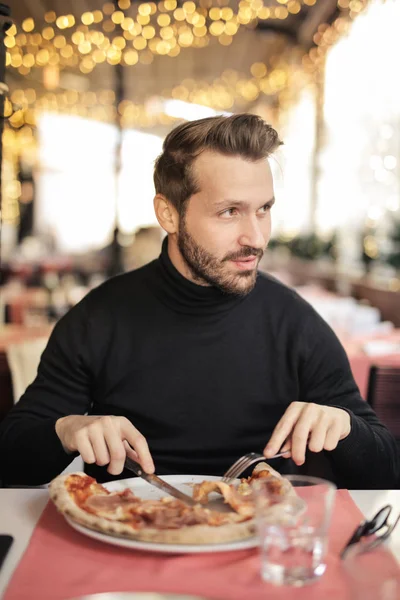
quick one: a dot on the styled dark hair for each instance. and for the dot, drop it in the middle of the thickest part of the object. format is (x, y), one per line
(244, 135)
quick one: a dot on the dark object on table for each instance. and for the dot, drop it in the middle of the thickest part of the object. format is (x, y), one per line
(369, 527)
(5, 545)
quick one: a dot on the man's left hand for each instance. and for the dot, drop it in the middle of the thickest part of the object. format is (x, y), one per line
(305, 424)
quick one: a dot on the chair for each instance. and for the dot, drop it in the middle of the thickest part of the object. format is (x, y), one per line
(23, 359)
(384, 396)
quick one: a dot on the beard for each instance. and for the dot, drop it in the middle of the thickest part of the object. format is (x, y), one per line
(205, 268)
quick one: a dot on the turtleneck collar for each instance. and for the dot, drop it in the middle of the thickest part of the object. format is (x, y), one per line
(183, 295)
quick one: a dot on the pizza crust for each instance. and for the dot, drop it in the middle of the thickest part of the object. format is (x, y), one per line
(286, 487)
(194, 534)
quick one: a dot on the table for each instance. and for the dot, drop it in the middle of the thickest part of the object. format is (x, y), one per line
(20, 510)
(20, 302)
(12, 334)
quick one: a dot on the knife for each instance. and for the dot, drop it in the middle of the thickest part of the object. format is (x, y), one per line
(131, 465)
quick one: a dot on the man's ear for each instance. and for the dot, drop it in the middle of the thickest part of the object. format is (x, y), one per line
(166, 214)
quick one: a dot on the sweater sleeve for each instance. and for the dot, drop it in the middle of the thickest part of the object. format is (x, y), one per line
(30, 450)
(368, 458)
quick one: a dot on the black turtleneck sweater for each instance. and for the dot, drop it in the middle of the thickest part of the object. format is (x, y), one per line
(203, 375)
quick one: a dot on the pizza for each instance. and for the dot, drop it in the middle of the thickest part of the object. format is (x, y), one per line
(166, 520)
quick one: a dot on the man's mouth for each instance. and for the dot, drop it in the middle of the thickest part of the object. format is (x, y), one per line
(248, 262)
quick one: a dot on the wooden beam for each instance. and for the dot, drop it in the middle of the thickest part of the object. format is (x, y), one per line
(322, 12)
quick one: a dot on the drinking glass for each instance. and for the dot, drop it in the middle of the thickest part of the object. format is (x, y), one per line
(293, 528)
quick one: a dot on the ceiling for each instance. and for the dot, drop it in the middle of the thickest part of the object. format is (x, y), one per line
(262, 42)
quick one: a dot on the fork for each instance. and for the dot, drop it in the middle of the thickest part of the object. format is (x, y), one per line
(244, 462)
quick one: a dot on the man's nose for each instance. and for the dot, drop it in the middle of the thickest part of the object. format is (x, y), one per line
(253, 235)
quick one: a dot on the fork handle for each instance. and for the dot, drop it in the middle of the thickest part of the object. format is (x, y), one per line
(278, 455)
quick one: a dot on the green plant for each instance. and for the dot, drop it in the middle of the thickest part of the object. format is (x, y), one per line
(308, 247)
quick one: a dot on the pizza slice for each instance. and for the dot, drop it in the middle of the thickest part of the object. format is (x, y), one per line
(240, 496)
(122, 513)
(165, 520)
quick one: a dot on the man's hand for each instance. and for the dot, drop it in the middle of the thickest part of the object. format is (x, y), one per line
(306, 424)
(104, 440)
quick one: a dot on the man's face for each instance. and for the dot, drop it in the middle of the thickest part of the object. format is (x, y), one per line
(227, 224)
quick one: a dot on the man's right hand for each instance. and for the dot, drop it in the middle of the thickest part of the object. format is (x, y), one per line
(104, 440)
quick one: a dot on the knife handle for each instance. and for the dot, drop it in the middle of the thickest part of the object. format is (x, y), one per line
(133, 466)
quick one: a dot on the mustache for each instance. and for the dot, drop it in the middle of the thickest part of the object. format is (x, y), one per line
(245, 253)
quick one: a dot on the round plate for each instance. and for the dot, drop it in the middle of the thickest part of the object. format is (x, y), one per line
(148, 492)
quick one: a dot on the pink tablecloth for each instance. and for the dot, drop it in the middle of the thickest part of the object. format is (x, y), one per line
(61, 563)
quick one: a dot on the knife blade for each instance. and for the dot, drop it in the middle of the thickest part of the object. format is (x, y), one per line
(153, 479)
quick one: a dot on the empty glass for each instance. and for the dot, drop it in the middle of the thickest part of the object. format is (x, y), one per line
(293, 529)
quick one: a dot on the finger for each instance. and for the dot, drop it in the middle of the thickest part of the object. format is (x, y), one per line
(96, 437)
(318, 434)
(332, 437)
(131, 452)
(84, 447)
(302, 431)
(287, 447)
(284, 428)
(138, 442)
(116, 451)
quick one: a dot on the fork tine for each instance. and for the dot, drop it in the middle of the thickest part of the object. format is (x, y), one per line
(241, 468)
(235, 468)
(232, 469)
(240, 465)
(244, 462)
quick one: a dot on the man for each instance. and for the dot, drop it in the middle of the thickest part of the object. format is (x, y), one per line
(195, 359)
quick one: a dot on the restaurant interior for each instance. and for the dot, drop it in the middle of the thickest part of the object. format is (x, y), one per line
(89, 90)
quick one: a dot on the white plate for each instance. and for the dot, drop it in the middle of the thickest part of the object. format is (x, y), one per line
(144, 490)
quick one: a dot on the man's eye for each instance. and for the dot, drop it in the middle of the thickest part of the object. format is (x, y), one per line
(229, 212)
(265, 208)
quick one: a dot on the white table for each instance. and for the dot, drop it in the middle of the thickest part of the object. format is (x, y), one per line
(20, 510)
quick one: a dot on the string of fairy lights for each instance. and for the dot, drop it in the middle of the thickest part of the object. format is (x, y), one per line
(148, 30)
(83, 45)
(231, 88)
